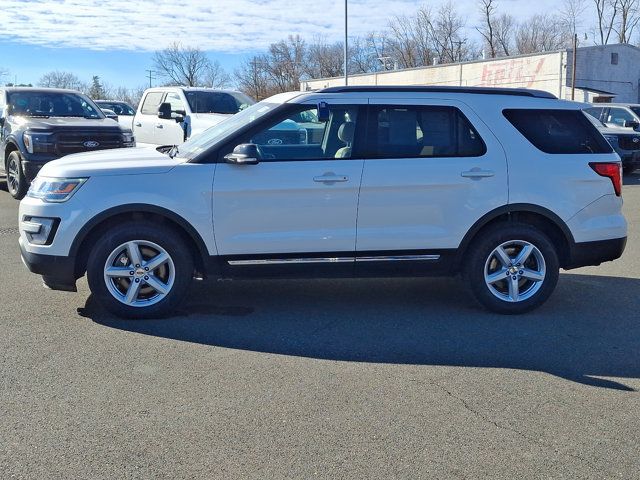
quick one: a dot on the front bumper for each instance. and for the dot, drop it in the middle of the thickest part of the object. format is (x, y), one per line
(58, 273)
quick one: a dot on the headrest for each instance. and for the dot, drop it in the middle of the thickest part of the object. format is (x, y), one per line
(346, 132)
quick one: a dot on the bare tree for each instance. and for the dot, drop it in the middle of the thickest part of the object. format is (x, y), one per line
(488, 28)
(571, 14)
(505, 27)
(181, 65)
(629, 15)
(402, 44)
(285, 63)
(447, 31)
(57, 79)
(323, 59)
(252, 78)
(606, 15)
(215, 76)
(541, 33)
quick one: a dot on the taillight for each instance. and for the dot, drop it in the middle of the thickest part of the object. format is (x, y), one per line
(613, 171)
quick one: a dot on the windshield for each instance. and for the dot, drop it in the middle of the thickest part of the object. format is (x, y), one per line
(202, 101)
(215, 134)
(118, 108)
(52, 104)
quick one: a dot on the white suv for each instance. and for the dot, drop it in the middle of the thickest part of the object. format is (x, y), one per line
(505, 186)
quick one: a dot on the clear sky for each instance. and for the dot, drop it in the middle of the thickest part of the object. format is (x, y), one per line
(115, 39)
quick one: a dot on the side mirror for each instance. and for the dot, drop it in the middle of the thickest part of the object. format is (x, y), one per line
(178, 117)
(164, 111)
(180, 112)
(631, 124)
(244, 154)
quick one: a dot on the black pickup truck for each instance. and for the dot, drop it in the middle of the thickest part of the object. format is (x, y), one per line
(38, 125)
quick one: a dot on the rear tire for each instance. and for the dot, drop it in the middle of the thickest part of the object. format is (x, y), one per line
(16, 181)
(140, 270)
(512, 268)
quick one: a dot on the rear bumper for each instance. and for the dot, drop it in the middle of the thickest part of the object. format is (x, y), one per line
(594, 253)
(58, 273)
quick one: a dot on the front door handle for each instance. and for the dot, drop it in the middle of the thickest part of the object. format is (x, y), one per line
(330, 178)
(138, 124)
(159, 125)
(478, 173)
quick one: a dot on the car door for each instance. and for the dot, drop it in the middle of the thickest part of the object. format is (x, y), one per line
(168, 131)
(432, 169)
(144, 123)
(296, 209)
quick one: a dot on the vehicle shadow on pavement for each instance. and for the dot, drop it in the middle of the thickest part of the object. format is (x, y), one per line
(590, 327)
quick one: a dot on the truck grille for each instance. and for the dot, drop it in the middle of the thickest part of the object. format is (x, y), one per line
(627, 143)
(76, 142)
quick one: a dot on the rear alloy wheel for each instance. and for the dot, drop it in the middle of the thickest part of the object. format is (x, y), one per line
(16, 181)
(140, 270)
(512, 269)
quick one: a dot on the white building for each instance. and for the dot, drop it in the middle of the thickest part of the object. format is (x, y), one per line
(603, 74)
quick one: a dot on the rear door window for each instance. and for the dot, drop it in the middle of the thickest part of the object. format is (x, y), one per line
(418, 131)
(558, 131)
(151, 103)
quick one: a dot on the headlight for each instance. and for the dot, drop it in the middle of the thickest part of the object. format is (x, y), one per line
(127, 137)
(37, 142)
(54, 189)
(611, 138)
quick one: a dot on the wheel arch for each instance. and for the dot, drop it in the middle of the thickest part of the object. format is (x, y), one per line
(132, 212)
(542, 218)
(11, 146)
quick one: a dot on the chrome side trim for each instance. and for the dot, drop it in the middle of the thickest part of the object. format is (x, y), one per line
(398, 258)
(291, 261)
(288, 261)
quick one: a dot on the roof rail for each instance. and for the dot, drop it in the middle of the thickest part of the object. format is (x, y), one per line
(521, 92)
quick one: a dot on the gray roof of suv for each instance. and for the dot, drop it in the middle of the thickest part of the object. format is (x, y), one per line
(521, 92)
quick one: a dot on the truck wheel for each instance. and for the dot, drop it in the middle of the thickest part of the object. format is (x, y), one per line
(16, 181)
(512, 268)
(140, 270)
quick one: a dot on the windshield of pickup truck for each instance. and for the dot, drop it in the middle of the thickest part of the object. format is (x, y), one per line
(227, 127)
(230, 103)
(52, 104)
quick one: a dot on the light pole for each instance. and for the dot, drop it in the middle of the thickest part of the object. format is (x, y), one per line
(346, 46)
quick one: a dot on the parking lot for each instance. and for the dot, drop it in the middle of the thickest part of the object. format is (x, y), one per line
(323, 379)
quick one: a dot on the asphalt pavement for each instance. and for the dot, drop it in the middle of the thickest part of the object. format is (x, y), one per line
(403, 378)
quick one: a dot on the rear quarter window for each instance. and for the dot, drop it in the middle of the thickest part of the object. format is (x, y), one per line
(558, 131)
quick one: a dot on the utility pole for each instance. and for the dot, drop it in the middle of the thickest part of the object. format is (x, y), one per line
(573, 67)
(150, 72)
(346, 45)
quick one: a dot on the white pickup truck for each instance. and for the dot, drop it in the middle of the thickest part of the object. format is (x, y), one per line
(171, 115)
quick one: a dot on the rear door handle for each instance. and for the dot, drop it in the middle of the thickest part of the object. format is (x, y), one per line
(478, 173)
(159, 125)
(138, 124)
(330, 178)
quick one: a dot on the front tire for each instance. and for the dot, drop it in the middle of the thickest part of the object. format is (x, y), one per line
(16, 182)
(512, 268)
(140, 270)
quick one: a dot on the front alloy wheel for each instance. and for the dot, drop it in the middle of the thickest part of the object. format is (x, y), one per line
(139, 273)
(16, 182)
(139, 269)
